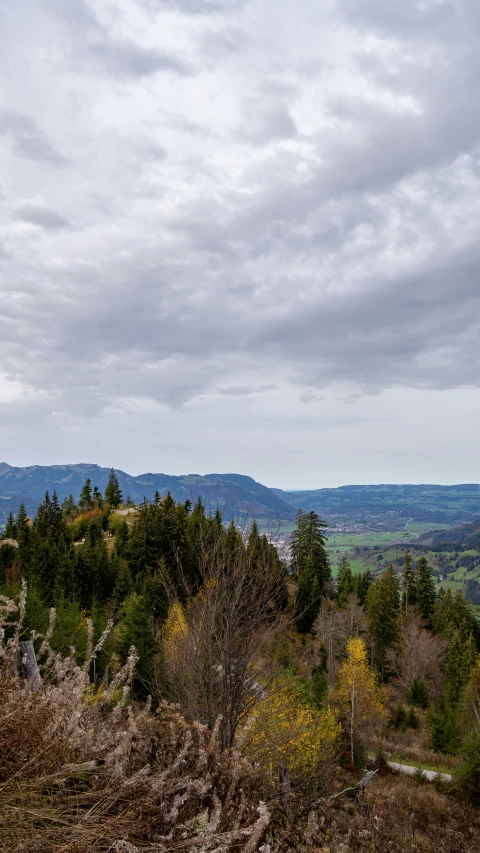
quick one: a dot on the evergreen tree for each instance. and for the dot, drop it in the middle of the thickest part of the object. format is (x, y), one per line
(425, 589)
(311, 567)
(50, 545)
(97, 498)
(113, 494)
(409, 596)
(86, 500)
(361, 584)
(345, 582)
(121, 539)
(451, 612)
(308, 597)
(24, 539)
(383, 608)
(69, 508)
(459, 663)
(10, 531)
(418, 695)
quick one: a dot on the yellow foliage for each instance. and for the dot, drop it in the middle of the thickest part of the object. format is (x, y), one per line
(284, 726)
(357, 696)
(175, 629)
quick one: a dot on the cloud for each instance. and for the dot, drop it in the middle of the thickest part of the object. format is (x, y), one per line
(27, 139)
(124, 58)
(100, 48)
(292, 205)
(41, 215)
(267, 123)
(198, 7)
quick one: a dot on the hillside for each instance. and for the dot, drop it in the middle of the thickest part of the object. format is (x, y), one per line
(234, 494)
(461, 538)
(430, 503)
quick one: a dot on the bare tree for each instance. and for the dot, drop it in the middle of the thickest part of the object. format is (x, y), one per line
(334, 627)
(419, 655)
(219, 646)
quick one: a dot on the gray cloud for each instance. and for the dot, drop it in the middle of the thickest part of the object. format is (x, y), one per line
(127, 59)
(42, 215)
(98, 46)
(197, 7)
(27, 139)
(338, 246)
(265, 123)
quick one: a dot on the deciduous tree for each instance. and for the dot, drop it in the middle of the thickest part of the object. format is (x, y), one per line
(357, 696)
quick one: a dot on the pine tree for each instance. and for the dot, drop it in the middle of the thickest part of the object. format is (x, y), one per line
(409, 596)
(345, 582)
(311, 567)
(113, 494)
(86, 500)
(425, 589)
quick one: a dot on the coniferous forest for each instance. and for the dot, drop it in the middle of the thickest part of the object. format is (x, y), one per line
(183, 653)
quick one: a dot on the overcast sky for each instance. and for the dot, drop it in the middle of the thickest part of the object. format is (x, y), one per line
(242, 235)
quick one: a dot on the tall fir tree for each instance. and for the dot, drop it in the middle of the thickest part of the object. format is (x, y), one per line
(345, 582)
(409, 587)
(10, 531)
(85, 500)
(425, 589)
(308, 542)
(311, 567)
(383, 610)
(113, 494)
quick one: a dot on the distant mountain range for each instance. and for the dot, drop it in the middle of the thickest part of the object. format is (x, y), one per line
(430, 503)
(238, 496)
(235, 495)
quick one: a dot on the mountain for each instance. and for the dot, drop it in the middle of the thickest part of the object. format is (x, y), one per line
(429, 503)
(234, 494)
(462, 538)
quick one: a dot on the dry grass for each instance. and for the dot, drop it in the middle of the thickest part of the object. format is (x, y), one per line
(91, 773)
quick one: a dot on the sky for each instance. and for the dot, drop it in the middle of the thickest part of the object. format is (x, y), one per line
(242, 235)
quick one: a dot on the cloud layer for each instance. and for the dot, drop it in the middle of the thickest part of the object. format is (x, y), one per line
(205, 200)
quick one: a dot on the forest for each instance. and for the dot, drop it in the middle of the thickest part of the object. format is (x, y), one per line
(228, 695)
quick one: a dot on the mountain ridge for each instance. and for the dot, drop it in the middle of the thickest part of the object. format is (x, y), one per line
(236, 495)
(423, 502)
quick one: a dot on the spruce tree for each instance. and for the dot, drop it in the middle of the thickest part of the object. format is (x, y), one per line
(425, 589)
(311, 567)
(10, 531)
(86, 500)
(24, 539)
(361, 584)
(409, 596)
(69, 507)
(383, 609)
(97, 497)
(113, 494)
(345, 582)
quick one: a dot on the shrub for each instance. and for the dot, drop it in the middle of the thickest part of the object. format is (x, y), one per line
(443, 729)
(284, 728)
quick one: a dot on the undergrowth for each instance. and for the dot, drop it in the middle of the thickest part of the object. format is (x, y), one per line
(84, 769)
